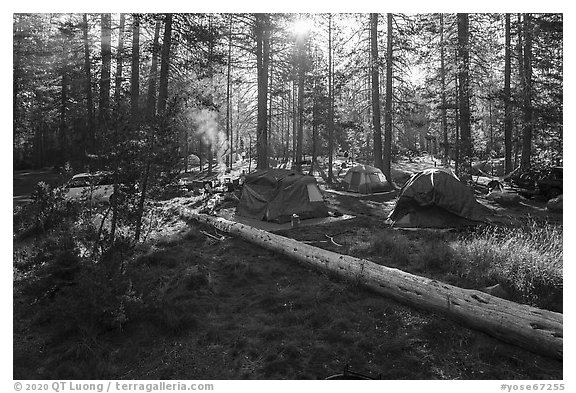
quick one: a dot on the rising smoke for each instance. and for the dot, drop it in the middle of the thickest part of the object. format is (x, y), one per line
(207, 127)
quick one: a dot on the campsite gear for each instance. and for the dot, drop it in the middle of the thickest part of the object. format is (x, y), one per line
(435, 198)
(276, 194)
(495, 185)
(365, 179)
(295, 220)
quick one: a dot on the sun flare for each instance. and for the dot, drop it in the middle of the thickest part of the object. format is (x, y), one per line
(302, 26)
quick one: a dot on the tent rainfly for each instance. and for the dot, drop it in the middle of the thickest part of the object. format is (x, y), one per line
(276, 194)
(435, 198)
(365, 179)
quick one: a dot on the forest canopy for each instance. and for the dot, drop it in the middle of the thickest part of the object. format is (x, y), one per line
(102, 91)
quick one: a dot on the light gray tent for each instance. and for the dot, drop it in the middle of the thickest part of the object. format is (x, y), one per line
(365, 179)
(435, 198)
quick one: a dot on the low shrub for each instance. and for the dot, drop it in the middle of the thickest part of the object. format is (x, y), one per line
(47, 210)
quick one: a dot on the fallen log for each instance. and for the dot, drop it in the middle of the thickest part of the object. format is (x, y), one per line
(531, 328)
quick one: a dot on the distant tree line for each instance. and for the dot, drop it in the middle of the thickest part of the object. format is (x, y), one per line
(141, 92)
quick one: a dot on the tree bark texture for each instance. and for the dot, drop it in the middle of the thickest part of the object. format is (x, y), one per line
(375, 89)
(507, 101)
(537, 330)
(119, 60)
(90, 140)
(262, 60)
(135, 73)
(330, 103)
(106, 48)
(386, 164)
(165, 65)
(229, 137)
(464, 93)
(62, 129)
(152, 81)
(528, 110)
(16, 75)
(300, 43)
(443, 93)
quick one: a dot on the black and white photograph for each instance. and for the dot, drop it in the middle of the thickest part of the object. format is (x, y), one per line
(202, 197)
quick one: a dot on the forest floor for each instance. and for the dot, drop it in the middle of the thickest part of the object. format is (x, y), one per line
(235, 311)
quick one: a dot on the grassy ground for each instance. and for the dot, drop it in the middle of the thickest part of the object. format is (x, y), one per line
(206, 309)
(525, 261)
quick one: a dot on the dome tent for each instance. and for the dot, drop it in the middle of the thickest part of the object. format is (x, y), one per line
(277, 194)
(435, 198)
(365, 179)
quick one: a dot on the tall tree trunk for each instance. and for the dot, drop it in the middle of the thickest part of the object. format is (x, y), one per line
(135, 76)
(457, 124)
(106, 48)
(316, 94)
(330, 104)
(294, 120)
(210, 72)
(490, 126)
(119, 59)
(262, 28)
(229, 138)
(90, 140)
(151, 100)
(165, 65)
(117, 97)
(301, 75)
(270, 89)
(62, 129)
(464, 94)
(443, 94)
(18, 39)
(288, 112)
(283, 128)
(375, 88)
(527, 95)
(522, 80)
(507, 101)
(388, 110)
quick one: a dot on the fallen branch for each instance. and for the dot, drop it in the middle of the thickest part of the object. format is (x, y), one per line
(534, 329)
(212, 236)
(332, 240)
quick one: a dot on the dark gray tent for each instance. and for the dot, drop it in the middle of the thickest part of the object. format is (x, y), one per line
(435, 198)
(277, 194)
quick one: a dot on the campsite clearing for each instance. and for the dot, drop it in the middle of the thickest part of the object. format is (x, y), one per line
(200, 305)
